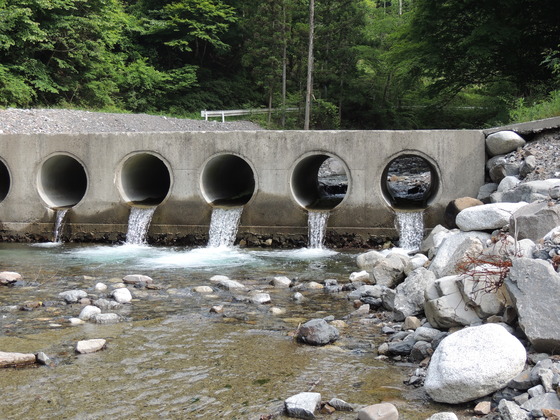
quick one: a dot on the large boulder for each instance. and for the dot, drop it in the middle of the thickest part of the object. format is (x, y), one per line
(444, 305)
(534, 288)
(455, 207)
(8, 359)
(409, 295)
(389, 271)
(487, 217)
(535, 220)
(436, 237)
(503, 142)
(473, 363)
(483, 292)
(447, 254)
(302, 405)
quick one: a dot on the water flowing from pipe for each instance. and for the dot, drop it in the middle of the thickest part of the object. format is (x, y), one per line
(59, 223)
(223, 226)
(317, 227)
(138, 224)
(410, 226)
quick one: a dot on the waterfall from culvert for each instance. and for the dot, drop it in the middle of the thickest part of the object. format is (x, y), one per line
(223, 226)
(58, 224)
(410, 226)
(317, 227)
(138, 224)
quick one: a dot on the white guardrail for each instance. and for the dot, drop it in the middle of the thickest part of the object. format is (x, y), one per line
(239, 112)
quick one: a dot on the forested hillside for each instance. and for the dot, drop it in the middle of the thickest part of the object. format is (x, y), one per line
(376, 64)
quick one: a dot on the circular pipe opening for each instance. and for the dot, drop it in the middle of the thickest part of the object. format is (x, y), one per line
(145, 180)
(227, 181)
(62, 181)
(409, 182)
(319, 182)
(5, 181)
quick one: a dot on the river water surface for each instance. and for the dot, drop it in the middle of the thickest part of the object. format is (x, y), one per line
(171, 358)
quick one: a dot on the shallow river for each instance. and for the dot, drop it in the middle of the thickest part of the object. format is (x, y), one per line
(171, 358)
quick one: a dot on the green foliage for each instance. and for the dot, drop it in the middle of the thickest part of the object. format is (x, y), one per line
(546, 108)
(325, 115)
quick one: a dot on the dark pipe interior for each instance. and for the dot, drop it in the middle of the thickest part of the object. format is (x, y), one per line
(145, 180)
(228, 180)
(63, 181)
(5, 181)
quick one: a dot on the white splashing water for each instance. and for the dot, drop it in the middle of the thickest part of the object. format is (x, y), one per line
(410, 225)
(317, 227)
(58, 224)
(223, 226)
(138, 224)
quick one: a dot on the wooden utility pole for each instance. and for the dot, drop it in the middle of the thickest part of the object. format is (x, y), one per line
(309, 65)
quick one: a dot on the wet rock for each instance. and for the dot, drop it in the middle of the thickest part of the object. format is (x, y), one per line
(76, 321)
(277, 311)
(487, 217)
(340, 405)
(298, 297)
(109, 318)
(226, 283)
(444, 415)
(281, 282)
(472, 363)
(302, 405)
(455, 207)
(72, 296)
(503, 142)
(509, 410)
(122, 295)
(383, 411)
(88, 312)
(100, 287)
(9, 277)
(105, 304)
(90, 346)
(8, 359)
(260, 298)
(137, 278)
(43, 359)
(203, 289)
(409, 295)
(317, 332)
(217, 309)
(531, 281)
(360, 277)
(535, 220)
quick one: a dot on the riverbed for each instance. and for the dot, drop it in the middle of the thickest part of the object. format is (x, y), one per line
(170, 357)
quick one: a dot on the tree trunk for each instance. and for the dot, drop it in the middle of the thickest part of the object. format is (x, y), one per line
(309, 65)
(284, 62)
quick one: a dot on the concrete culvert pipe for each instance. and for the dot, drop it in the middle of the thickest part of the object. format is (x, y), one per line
(319, 182)
(144, 180)
(227, 181)
(409, 182)
(5, 181)
(62, 181)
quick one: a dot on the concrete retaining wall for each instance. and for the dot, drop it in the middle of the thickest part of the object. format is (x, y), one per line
(99, 175)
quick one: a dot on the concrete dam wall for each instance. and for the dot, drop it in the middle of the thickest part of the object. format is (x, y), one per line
(274, 175)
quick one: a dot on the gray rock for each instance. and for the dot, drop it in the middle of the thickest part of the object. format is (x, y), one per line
(522, 381)
(454, 207)
(503, 142)
(487, 217)
(498, 168)
(511, 411)
(431, 243)
(16, 359)
(122, 295)
(547, 376)
(479, 292)
(302, 405)
(445, 307)
(554, 192)
(340, 405)
(531, 281)
(72, 296)
(43, 359)
(360, 277)
(416, 261)
(260, 298)
(137, 278)
(426, 334)
(529, 165)
(226, 283)
(383, 411)
(368, 260)
(281, 282)
(90, 346)
(317, 332)
(530, 191)
(485, 191)
(389, 272)
(444, 415)
(549, 400)
(88, 312)
(109, 318)
(536, 391)
(401, 348)
(535, 220)
(473, 363)
(9, 277)
(409, 295)
(508, 183)
(105, 304)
